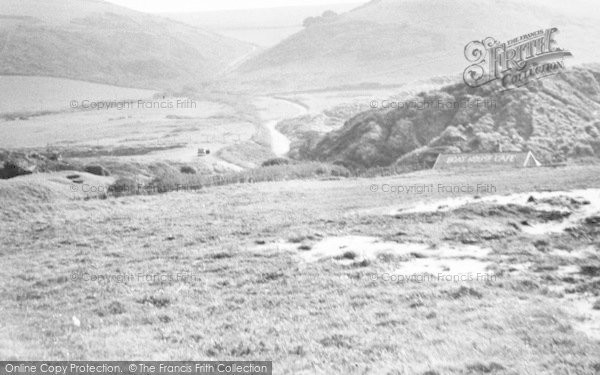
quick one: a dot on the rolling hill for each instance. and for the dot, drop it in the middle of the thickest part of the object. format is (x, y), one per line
(96, 41)
(399, 41)
(556, 118)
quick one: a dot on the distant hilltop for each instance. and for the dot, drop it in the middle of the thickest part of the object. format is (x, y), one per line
(100, 42)
(402, 41)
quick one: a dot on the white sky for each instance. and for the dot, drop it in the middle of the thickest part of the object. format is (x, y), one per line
(162, 6)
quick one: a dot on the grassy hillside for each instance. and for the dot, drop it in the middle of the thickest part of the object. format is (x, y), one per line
(556, 118)
(95, 41)
(226, 272)
(391, 41)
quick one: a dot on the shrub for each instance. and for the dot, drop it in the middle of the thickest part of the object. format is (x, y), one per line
(346, 164)
(178, 182)
(309, 21)
(276, 161)
(169, 179)
(12, 169)
(97, 170)
(584, 150)
(327, 16)
(187, 170)
(340, 171)
(54, 156)
(124, 186)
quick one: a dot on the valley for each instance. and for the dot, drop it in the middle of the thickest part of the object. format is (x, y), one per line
(259, 184)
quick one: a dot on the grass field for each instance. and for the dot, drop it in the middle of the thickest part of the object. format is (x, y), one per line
(32, 94)
(145, 130)
(288, 272)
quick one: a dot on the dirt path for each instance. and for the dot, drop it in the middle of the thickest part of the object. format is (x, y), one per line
(274, 110)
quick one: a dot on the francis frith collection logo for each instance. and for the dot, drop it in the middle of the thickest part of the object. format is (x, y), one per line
(516, 62)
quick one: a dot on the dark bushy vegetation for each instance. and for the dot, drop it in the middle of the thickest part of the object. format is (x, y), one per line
(554, 118)
(18, 163)
(97, 170)
(170, 179)
(186, 169)
(326, 17)
(124, 186)
(12, 169)
(276, 161)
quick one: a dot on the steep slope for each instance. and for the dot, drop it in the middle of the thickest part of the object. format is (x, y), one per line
(556, 118)
(397, 41)
(96, 41)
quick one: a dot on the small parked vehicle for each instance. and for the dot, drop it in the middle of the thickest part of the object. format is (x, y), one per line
(203, 152)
